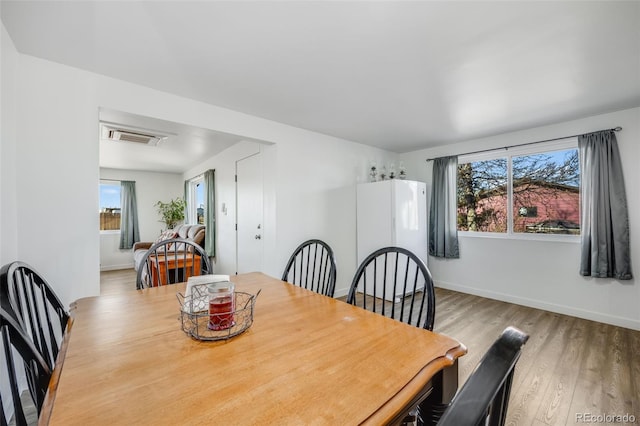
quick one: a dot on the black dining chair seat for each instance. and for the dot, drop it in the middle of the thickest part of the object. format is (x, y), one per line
(26, 295)
(29, 364)
(312, 266)
(396, 283)
(170, 262)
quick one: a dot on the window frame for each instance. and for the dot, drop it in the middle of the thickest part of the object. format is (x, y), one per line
(192, 202)
(509, 153)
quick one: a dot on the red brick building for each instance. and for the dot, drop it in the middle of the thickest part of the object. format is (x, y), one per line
(538, 207)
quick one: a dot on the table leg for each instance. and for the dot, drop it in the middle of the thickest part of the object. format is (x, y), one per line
(445, 386)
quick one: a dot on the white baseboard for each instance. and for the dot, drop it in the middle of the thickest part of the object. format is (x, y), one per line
(340, 292)
(552, 307)
(116, 267)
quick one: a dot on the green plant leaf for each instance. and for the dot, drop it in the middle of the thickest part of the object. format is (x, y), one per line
(171, 212)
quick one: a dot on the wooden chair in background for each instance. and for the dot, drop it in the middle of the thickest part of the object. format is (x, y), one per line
(171, 261)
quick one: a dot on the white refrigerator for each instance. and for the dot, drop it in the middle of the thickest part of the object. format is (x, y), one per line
(392, 213)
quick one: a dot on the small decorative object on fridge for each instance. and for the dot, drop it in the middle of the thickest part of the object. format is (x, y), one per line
(214, 311)
(383, 173)
(403, 171)
(392, 171)
(373, 172)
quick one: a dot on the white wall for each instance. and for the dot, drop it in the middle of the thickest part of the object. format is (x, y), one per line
(224, 164)
(8, 99)
(538, 273)
(310, 184)
(8, 209)
(309, 192)
(151, 187)
(309, 178)
(57, 176)
(316, 198)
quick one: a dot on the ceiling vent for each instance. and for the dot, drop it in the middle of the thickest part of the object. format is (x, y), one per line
(114, 132)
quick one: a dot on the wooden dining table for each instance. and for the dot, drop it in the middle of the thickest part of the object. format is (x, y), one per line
(306, 359)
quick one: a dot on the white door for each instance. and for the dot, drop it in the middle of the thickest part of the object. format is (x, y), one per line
(249, 232)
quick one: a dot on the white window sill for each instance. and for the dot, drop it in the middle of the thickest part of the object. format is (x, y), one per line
(556, 238)
(110, 232)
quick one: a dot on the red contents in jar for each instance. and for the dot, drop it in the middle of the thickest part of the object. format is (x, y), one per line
(221, 313)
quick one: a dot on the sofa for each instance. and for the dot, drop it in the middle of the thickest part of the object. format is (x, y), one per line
(193, 233)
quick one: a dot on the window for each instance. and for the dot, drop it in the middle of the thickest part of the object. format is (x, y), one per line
(195, 201)
(200, 203)
(109, 206)
(521, 191)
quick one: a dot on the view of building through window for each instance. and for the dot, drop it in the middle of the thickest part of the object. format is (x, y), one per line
(544, 192)
(110, 206)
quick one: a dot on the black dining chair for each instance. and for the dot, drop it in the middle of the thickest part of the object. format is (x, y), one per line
(26, 295)
(484, 397)
(30, 365)
(170, 262)
(396, 283)
(312, 266)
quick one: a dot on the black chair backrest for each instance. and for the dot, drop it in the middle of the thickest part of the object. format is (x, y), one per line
(484, 397)
(30, 365)
(312, 266)
(170, 262)
(396, 283)
(29, 298)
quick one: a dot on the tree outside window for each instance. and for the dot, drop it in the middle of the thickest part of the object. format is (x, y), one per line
(532, 193)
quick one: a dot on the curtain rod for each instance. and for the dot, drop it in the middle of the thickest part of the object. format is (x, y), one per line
(201, 175)
(615, 129)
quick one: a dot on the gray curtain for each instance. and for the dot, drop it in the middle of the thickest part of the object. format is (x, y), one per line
(443, 229)
(210, 212)
(604, 215)
(187, 199)
(129, 228)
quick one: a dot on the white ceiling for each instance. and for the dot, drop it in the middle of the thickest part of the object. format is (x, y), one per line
(396, 75)
(170, 155)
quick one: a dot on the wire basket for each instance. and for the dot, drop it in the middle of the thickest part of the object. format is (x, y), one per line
(196, 321)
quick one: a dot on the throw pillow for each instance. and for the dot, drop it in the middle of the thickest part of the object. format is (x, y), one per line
(166, 235)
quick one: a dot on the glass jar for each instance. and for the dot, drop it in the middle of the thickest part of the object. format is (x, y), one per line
(221, 305)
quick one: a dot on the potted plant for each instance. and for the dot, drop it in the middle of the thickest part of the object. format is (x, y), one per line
(171, 212)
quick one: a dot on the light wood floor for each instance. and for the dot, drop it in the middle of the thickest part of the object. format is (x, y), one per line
(568, 367)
